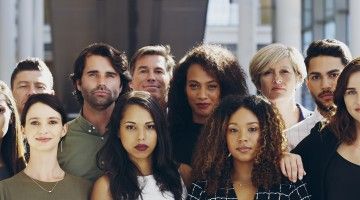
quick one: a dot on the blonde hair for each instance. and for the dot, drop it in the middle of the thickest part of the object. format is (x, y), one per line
(272, 54)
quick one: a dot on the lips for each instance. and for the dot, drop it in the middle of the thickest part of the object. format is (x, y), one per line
(101, 92)
(277, 88)
(151, 88)
(244, 149)
(202, 106)
(326, 96)
(141, 147)
(357, 109)
(43, 139)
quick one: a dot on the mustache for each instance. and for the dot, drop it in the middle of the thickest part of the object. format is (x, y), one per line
(101, 88)
(326, 92)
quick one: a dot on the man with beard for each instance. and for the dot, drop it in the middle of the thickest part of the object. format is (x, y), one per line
(100, 76)
(324, 62)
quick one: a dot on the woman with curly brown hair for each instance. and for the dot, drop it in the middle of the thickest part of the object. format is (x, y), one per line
(238, 153)
(206, 74)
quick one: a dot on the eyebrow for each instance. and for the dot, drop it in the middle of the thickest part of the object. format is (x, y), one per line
(249, 123)
(329, 72)
(33, 118)
(205, 82)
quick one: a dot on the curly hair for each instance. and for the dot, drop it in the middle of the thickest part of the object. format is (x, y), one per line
(342, 123)
(113, 159)
(219, 63)
(12, 148)
(211, 161)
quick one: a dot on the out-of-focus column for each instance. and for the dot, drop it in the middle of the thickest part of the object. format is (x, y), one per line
(287, 25)
(7, 39)
(354, 28)
(247, 36)
(25, 29)
(39, 28)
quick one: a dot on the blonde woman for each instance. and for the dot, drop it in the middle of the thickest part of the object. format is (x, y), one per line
(277, 70)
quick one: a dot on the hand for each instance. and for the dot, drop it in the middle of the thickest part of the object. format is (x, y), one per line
(292, 167)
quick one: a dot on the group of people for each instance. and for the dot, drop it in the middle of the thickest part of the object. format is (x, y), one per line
(156, 129)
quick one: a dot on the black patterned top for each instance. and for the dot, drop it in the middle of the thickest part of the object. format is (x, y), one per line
(288, 191)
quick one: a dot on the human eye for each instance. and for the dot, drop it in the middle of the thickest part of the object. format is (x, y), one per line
(333, 75)
(194, 86)
(266, 73)
(53, 122)
(350, 92)
(34, 122)
(284, 71)
(159, 71)
(2, 110)
(41, 87)
(150, 126)
(92, 74)
(130, 127)
(212, 86)
(253, 129)
(314, 77)
(232, 130)
(111, 75)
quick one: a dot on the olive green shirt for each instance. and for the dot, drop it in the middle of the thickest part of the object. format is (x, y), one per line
(77, 152)
(22, 187)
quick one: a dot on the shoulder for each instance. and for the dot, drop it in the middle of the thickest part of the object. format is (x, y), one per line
(185, 173)
(77, 180)
(287, 189)
(101, 188)
(304, 111)
(197, 189)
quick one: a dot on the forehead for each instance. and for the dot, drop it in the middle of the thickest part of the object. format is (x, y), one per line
(281, 64)
(98, 63)
(33, 76)
(151, 61)
(137, 114)
(323, 64)
(41, 110)
(243, 116)
(196, 72)
(354, 80)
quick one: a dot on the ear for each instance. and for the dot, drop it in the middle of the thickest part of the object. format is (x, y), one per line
(52, 92)
(78, 84)
(64, 130)
(22, 130)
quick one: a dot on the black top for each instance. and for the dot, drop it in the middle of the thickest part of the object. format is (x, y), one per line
(184, 143)
(286, 190)
(342, 179)
(316, 151)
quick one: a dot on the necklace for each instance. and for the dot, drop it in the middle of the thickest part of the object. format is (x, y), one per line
(38, 184)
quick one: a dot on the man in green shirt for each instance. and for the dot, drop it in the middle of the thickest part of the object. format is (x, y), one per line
(100, 76)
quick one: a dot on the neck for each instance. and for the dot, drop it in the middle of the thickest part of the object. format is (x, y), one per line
(44, 166)
(145, 166)
(288, 110)
(327, 113)
(242, 172)
(198, 119)
(99, 118)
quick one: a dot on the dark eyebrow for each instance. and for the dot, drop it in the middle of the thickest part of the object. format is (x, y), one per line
(92, 71)
(333, 71)
(129, 122)
(142, 67)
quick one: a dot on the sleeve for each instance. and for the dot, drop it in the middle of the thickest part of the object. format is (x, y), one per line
(300, 192)
(196, 192)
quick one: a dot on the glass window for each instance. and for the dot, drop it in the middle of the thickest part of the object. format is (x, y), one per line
(330, 29)
(265, 12)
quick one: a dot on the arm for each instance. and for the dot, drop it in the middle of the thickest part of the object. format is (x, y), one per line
(291, 166)
(101, 189)
(185, 173)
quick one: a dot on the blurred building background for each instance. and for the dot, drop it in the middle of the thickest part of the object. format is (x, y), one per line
(57, 30)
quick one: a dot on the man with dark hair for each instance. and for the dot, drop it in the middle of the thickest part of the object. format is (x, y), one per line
(30, 76)
(100, 76)
(324, 62)
(151, 70)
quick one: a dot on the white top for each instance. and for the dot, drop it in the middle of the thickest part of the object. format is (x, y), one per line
(150, 191)
(302, 129)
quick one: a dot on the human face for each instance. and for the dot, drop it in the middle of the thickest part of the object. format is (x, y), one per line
(242, 135)
(278, 81)
(99, 83)
(43, 128)
(202, 91)
(150, 75)
(323, 72)
(352, 97)
(5, 115)
(27, 83)
(137, 133)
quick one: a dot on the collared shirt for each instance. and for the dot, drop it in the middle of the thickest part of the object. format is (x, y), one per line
(302, 129)
(77, 152)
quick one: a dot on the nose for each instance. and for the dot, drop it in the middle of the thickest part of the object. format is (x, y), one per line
(141, 134)
(242, 136)
(31, 90)
(151, 76)
(202, 93)
(43, 129)
(277, 78)
(325, 83)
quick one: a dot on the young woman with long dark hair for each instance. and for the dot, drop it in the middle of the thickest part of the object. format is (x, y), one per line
(137, 158)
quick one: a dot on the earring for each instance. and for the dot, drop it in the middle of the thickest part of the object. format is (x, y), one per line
(229, 155)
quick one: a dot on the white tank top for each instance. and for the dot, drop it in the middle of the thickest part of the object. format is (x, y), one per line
(150, 191)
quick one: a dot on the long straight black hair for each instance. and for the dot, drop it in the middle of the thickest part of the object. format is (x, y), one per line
(114, 159)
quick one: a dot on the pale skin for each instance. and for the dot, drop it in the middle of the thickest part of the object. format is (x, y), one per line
(43, 130)
(278, 84)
